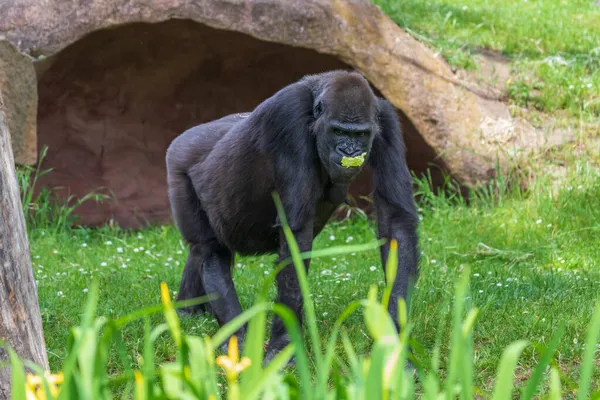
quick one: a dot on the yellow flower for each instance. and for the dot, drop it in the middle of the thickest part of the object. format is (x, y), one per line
(231, 363)
(170, 314)
(34, 386)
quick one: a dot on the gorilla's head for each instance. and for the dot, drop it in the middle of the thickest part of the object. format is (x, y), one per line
(345, 111)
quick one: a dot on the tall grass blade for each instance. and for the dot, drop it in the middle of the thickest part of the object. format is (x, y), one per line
(587, 364)
(310, 316)
(293, 328)
(17, 374)
(328, 359)
(457, 342)
(536, 376)
(236, 323)
(255, 337)
(505, 377)
(270, 373)
(555, 391)
(466, 377)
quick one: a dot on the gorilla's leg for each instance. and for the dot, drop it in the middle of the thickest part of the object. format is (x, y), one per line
(208, 268)
(191, 285)
(195, 229)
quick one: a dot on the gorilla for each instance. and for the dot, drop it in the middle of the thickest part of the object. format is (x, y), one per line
(307, 143)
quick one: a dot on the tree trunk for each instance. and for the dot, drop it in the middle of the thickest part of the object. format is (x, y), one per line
(20, 320)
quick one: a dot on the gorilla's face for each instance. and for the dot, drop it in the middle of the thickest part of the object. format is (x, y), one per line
(345, 128)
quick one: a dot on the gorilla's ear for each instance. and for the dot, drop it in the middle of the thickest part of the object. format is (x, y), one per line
(318, 109)
(318, 106)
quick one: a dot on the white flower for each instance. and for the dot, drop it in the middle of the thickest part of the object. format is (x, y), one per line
(108, 243)
(331, 237)
(433, 261)
(372, 268)
(136, 250)
(55, 251)
(119, 249)
(85, 290)
(349, 239)
(139, 236)
(124, 266)
(103, 264)
(539, 221)
(326, 272)
(84, 245)
(476, 275)
(481, 291)
(499, 284)
(179, 252)
(325, 314)
(60, 293)
(266, 272)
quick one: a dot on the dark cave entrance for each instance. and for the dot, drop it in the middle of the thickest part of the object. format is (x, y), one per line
(110, 104)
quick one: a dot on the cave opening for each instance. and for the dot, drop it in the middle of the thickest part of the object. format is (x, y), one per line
(111, 103)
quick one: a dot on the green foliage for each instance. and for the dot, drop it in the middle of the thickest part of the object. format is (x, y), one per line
(192, 373)
(553, 45)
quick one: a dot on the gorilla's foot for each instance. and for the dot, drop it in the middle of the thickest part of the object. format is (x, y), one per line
(198, 309)
(275, 346)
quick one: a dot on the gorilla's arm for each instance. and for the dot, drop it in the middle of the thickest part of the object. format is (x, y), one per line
(285, 121)
(396, 212)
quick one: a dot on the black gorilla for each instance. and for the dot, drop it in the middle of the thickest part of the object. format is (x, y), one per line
(221, 176)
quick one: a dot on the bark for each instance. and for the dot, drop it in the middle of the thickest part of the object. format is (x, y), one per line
(20, 319)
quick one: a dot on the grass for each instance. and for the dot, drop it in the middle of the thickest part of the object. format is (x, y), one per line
(553, 46)
(533, 260)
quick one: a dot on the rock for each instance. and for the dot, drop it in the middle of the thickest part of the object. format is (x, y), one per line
(119, 80)
(19, 84)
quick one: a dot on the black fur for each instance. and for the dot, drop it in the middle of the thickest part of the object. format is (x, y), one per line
(221, 175)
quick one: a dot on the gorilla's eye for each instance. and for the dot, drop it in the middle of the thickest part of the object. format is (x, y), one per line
(361, 133)
(338, 132)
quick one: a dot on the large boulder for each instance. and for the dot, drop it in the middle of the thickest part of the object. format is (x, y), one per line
(18, 83)
(119, 80)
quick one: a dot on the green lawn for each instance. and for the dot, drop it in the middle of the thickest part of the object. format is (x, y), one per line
(534, 260)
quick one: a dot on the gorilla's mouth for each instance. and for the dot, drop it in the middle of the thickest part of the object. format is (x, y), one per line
(351, 162)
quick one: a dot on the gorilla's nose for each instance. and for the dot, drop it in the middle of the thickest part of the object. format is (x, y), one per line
(350, 151)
